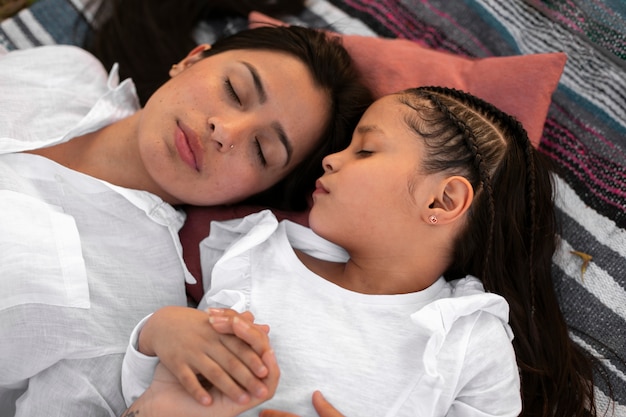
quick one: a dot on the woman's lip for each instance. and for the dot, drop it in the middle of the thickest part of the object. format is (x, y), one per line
(188, 146)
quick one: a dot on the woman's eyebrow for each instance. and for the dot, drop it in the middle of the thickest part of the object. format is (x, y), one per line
(258, 84)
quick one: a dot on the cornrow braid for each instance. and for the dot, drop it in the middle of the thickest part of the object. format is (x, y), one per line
(433, 94)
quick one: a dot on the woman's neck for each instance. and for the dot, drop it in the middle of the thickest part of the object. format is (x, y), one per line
(110, 154)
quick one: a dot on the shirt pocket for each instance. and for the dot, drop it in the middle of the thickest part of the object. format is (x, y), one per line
(40, 254)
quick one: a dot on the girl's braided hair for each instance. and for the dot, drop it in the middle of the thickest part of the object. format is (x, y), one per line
(509, 238)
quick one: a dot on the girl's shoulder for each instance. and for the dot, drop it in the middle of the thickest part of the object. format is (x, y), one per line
(464, 304)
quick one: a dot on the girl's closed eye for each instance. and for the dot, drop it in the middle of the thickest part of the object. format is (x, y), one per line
(364, 152)
(230, 90)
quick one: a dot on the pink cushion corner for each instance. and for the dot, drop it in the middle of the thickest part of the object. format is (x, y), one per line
(521, 85)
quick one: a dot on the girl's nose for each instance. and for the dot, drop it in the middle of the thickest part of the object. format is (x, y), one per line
(329, 163)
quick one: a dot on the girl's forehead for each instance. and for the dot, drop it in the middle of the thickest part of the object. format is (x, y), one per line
(388, 111)
(391, 120)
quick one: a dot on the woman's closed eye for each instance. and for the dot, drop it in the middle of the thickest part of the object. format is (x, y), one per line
(364, 152)
(259, 152)
(231, 91)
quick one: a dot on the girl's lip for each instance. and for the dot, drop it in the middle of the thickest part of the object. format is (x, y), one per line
(319, 188)
(188, 146)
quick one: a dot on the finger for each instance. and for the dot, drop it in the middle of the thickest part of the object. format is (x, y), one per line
(224, 378)
(245, 367)
(224, 325)
(231, 369)
(276, 413)
(221, 315)
(247, 315)
(323, 407)
(269, 358)
(192, 385)
(254, 335)
(250, 334)
(229, 312)
(246, 354)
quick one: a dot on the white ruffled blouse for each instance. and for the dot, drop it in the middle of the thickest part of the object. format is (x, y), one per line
(445, 350)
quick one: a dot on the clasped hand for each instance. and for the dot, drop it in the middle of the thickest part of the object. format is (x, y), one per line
(216, 357)
(222, 346)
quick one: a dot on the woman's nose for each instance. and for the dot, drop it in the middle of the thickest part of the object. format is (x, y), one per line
(224, 136)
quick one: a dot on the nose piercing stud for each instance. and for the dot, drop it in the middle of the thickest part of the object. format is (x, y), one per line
(232, 146)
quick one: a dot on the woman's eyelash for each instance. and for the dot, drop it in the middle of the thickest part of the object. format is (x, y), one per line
(260, 152)
(231, 91)
(233, 94)
(364, 152)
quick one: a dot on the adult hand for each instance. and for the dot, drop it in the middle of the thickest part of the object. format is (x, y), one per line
(167, 397)
(187, 344)
(323, 408)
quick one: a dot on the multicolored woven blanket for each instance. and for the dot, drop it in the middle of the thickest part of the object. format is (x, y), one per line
(585, 132)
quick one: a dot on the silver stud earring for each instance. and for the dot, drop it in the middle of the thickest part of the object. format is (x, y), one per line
(432, 219)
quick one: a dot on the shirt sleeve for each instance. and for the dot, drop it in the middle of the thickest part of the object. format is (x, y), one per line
(137, 368)
(489, 384)
(225, 272)
(45, 90)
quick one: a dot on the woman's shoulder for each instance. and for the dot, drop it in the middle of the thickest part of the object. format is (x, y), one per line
(69, 54)
(48, 90)
(51, 64)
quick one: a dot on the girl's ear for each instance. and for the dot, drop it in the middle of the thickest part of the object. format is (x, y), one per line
(192, 57)
(453, 198)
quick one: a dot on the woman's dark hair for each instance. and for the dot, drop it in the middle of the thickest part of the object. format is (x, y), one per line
(509, 239)
(145, 37)
(327, 60)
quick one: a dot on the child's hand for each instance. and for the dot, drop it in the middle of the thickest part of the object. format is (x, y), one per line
(166, 397)
(188, 345)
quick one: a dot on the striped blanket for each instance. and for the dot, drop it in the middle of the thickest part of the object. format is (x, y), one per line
(585, 133)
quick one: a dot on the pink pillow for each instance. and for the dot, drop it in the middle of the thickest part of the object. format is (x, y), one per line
(520, 85)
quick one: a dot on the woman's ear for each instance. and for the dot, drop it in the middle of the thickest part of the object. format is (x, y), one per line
(192, 57)
(454, 197)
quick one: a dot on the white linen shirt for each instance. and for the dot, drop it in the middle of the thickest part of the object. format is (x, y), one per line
(81, 260)
(443, 351)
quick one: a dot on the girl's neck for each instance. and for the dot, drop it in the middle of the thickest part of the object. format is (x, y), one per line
(397, 275)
